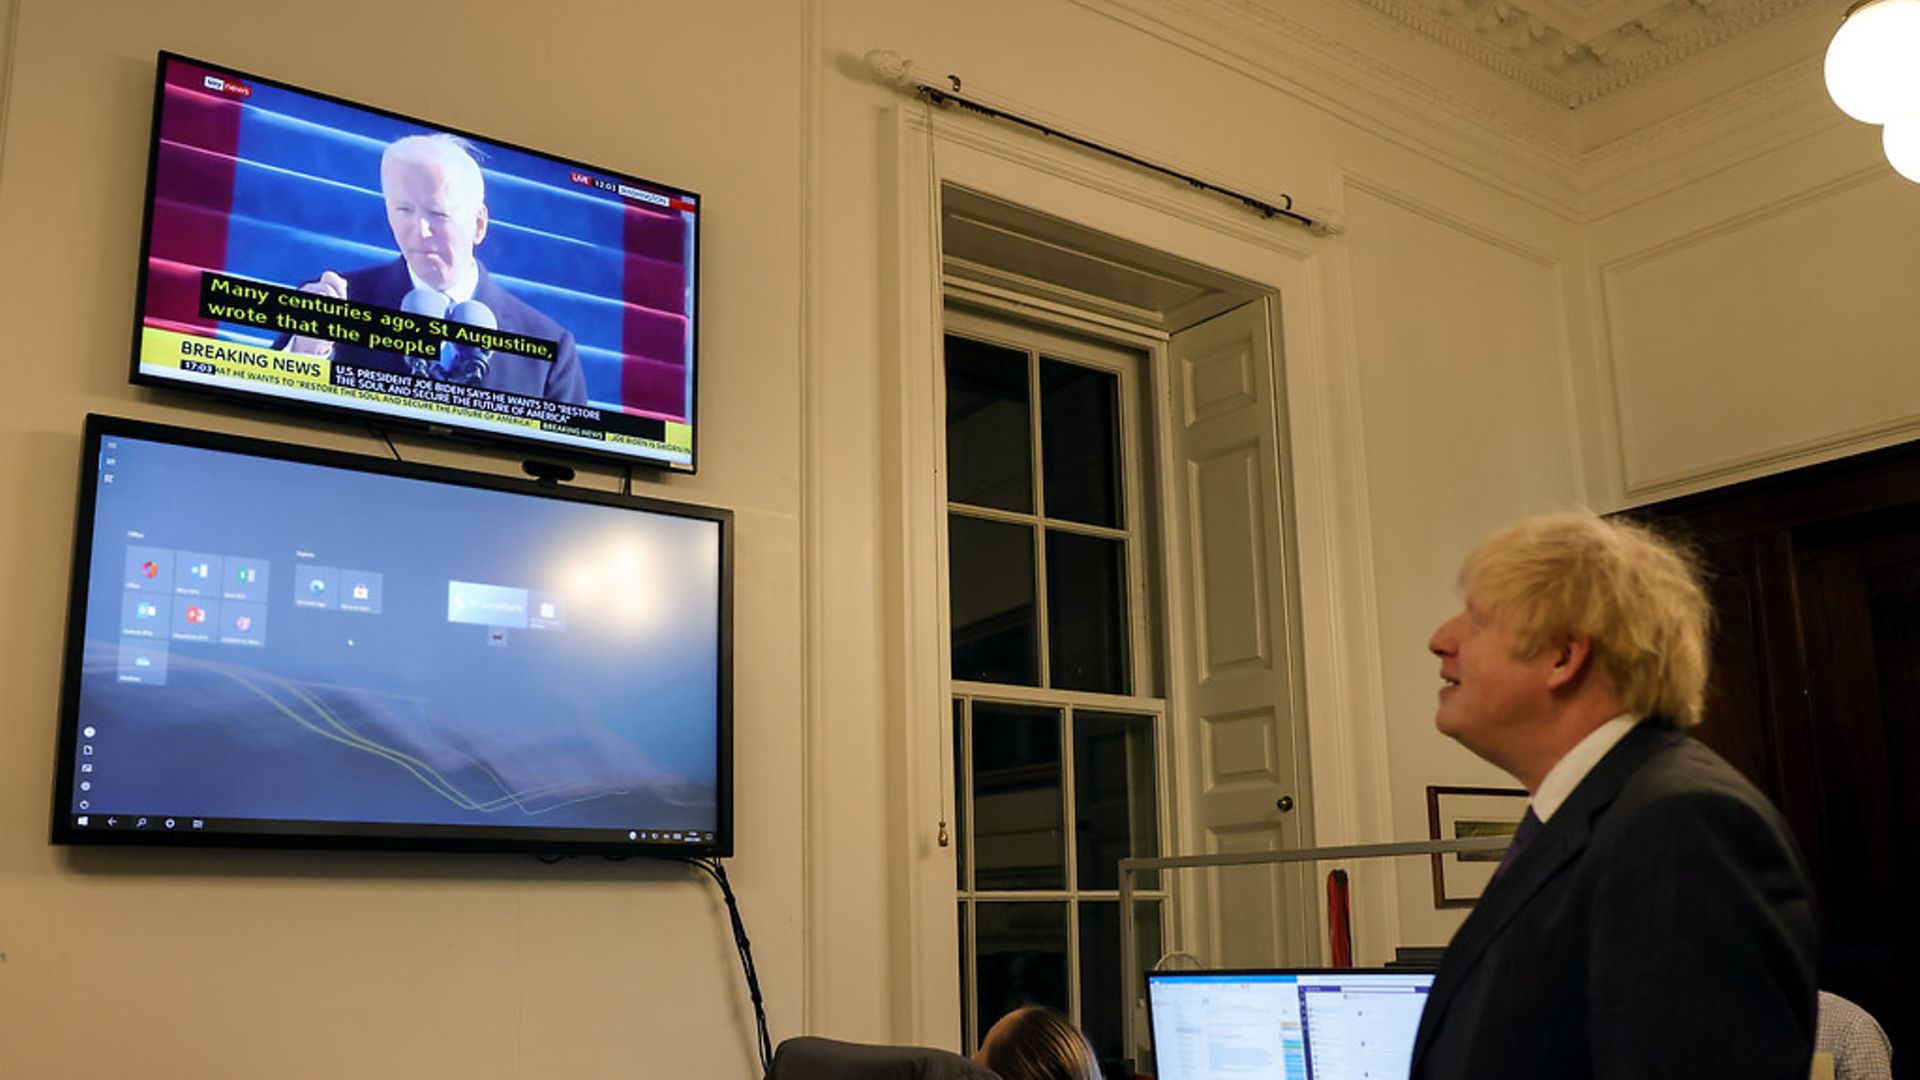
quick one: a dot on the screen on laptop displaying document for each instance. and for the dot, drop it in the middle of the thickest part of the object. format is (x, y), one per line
(1285, 1025)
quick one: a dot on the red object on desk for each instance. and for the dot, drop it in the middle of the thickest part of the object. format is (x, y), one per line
(1339, 920)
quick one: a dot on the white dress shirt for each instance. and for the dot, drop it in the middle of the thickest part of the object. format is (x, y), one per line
(460, 291)
(1574, 766)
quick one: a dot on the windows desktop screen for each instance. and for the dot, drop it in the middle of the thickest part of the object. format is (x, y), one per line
(273, 646)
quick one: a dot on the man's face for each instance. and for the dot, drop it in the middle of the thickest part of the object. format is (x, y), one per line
(1491, 698)
(437, 220)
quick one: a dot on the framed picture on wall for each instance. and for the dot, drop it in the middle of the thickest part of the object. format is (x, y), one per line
(1464, 813)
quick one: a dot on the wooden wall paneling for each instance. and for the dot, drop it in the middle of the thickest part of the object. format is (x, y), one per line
(1815, 576)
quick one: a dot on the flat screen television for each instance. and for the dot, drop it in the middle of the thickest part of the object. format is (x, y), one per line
(307, 252)
(273, 645)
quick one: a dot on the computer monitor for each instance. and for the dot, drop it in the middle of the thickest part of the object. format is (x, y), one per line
(273, 645)
(1296, 1024)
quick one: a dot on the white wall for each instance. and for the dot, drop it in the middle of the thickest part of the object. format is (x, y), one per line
(1760, 318)
(1518, 319)
(255, 964)
(1452, 337)
(1464, 385)
(1513, 323)
(1440, 333)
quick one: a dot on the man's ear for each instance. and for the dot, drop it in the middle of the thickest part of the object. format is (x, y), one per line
(1571, 659)
(480, 227)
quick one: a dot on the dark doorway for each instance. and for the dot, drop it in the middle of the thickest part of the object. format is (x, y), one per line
(1816, 695)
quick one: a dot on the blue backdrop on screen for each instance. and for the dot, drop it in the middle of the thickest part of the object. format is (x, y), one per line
(307, 198)
(332, 645)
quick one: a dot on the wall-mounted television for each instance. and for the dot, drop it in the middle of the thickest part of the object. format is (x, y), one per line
(308, 252)
(271, 645)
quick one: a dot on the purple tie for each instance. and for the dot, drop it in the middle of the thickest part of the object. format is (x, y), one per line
(1522, 836)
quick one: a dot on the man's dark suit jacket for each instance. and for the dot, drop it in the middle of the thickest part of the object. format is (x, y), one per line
(387, 285)
(1659, 925)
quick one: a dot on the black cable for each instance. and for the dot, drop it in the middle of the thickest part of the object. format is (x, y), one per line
(382, 432)
(626, 485)
(718, 872)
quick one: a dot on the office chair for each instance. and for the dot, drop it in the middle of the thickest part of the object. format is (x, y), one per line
(809, 1058)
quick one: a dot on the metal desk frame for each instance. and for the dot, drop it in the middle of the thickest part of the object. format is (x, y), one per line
(1130, 963)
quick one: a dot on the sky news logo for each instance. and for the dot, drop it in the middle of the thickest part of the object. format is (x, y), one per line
(226, 86)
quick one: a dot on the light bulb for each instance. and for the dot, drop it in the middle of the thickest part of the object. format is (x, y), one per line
(1870, 71)
(1902, 142)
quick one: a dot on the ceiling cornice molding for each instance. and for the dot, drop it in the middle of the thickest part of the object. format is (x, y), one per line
(1721, 30)
(1358, 56)
(1498, 57)
(1468, 121)
(1348, 80)
(1782, 89)
(1732, 72)
(1766, 116)
(1576, 67)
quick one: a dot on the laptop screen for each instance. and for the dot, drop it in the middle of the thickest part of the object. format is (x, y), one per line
(1285, 1025)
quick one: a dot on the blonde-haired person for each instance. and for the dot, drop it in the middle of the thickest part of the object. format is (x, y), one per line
(1652, 917)
(1036, 1043)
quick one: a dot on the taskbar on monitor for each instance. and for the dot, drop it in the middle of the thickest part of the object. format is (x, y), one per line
(118, 827)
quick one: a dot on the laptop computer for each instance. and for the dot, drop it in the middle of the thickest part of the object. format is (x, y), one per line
(1298, 1024)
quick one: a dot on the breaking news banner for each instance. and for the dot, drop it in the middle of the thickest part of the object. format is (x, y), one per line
(321, 379)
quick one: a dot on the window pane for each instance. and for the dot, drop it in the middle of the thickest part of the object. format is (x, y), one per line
(966, 979)
(989, 432)
(1116, 797)
(959, 794)
(1018, 809)
(1022, 950)
(1079, 442)
(991, 596)
(1100, 987)
(1087, 613)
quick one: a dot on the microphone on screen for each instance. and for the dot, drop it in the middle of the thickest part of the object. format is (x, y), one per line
(433, 304)
(463, 362)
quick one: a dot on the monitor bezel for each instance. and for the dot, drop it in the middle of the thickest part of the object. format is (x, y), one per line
(1218, 973)
(341, 836)
(532, 446)
(1284, 972)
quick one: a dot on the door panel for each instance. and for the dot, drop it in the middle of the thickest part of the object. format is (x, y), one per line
(1862, 587)
(1244, 731)
(1815, 695)
(1226, 520)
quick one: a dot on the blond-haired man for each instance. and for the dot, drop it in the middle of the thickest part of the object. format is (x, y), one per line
(1653, 917)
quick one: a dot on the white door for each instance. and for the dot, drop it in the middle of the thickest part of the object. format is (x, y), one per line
(1243, 727)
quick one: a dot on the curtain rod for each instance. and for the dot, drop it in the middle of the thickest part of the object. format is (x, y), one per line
(889, 66)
